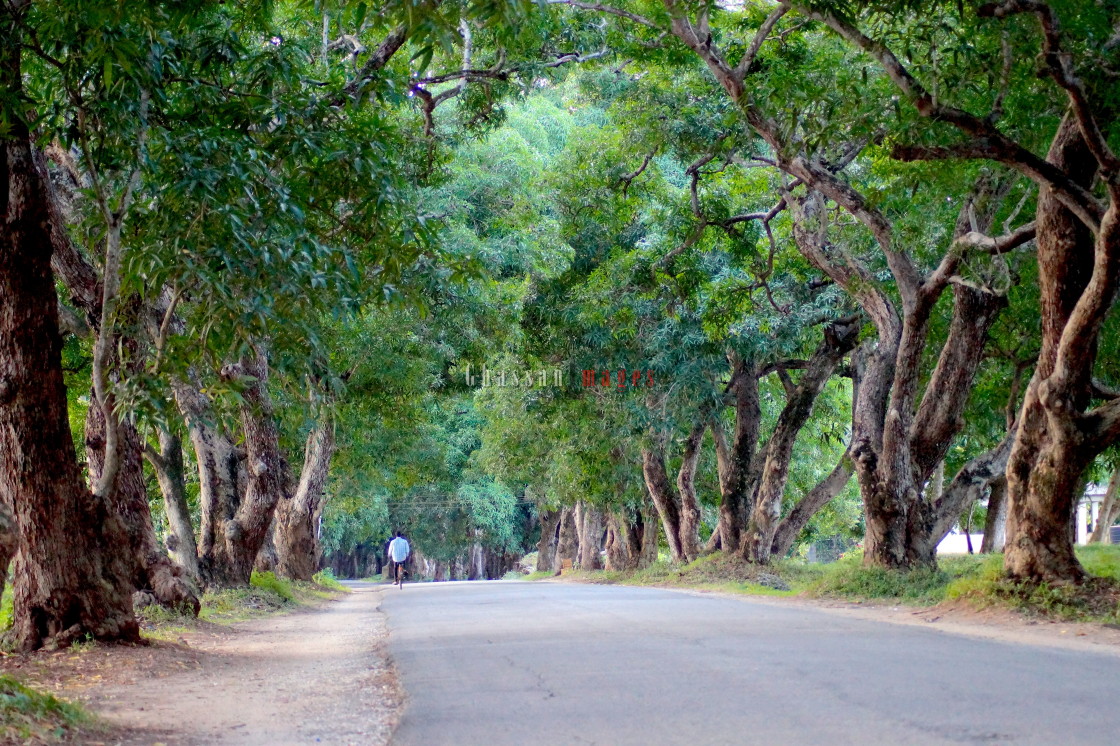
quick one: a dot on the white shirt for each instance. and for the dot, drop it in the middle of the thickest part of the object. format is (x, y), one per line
(398, 549)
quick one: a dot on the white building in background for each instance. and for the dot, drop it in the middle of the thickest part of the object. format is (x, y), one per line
(957, 543)
(1088, 513)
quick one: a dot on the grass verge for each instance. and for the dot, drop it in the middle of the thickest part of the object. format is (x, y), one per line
(713, 572)
(28, 716)
(266, 594)
(1097, 600)
(973, 579)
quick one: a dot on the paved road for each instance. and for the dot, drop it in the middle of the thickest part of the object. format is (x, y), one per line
(541, 663)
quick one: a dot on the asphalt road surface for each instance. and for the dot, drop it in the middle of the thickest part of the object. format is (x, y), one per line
(546, 663)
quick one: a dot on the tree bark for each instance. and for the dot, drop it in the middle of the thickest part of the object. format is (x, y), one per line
(590, 537)
(152, 571)
(267, 477)
(221, 478)
(649, 541)
(900, 525)
(736, 463)
(297, 518)
(618, 556)
(266, 559)
(686, 486)
(475, 565)
(661, 492)
(839, 339)
(170, 473)
(239, 494)
(1077, 282)
(69, 582)
(567, 546)
(546, 547)
(995, 524)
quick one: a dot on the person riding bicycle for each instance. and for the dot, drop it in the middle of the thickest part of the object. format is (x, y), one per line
(398, 554)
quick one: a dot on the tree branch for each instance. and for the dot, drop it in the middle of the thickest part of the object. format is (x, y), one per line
(610, 10)
(377, 60)
(627, 179)
(764, 30)
(1060, 67)
(988, 141)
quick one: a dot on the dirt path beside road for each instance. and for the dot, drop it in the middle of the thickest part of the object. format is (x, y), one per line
(318, 675)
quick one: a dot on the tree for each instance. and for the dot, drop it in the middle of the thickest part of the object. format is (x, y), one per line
(1058, 434)
(893, 455)
(68, 580)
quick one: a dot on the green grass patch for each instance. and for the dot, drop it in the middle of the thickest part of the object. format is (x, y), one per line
(538, 575)
(31, 717)
(6, 606)
(1101, 560)
(1098, 600)
(976, 579)
(326, 579)
(266, 594)
(714, 572)
(921, 586)
(267, 581)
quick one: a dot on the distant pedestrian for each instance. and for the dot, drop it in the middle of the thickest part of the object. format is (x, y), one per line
(398, 555)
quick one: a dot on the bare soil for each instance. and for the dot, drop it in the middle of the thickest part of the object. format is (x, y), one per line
(317, 675)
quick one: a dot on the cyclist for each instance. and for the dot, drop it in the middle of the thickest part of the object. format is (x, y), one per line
(398, 554)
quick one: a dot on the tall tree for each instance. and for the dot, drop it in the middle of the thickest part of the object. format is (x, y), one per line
(68, 580)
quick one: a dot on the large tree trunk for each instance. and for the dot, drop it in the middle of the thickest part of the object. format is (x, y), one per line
(267, 559)
(1042, 502)
(897, 440)
(901, 525)
(546, 547)
(590, 537)
(661, 492)
(297, 518)
(171, 475)
(649, 542)
(122, 480)
(839, 339)
(221, 478)
(69, 580)
(686, 485)
(995, 525)
(617, 545)
(567, 546)
(738, 476)
(475, 568)
(267, 473)
(152, 571)
(1077, 282)
(238, 500)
